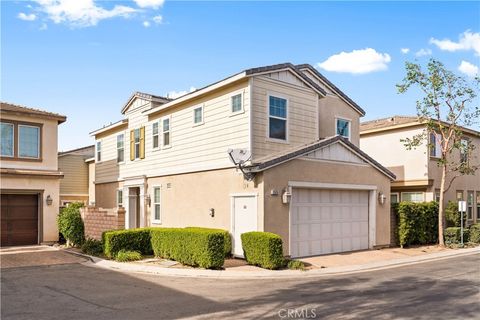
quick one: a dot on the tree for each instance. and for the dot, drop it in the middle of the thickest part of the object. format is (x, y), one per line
(447, 105)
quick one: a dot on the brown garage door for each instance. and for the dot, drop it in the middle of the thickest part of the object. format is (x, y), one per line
(19, 215)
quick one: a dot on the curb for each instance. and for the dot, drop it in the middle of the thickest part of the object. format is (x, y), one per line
(270, 274)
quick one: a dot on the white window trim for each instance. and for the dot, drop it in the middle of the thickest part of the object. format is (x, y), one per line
(96, 151)
(158, 135)
(135, 158)
(242, 109)
(121, 162)
(423, 195)
(153, 220)
(349, 127)
(13, 140)
(167, 146)
(118, 203)
(203, 115)
(437, 146)
(287, 118)
(18, 141)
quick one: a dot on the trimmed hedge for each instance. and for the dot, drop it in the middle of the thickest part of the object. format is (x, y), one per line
(191, 246)
(129, 240)
(452, 216)
(226, 236)
(417, 223)
(474, 235)
(263, 249)
(92, 247)
(452, 235)
(70, 224)
(125, 256)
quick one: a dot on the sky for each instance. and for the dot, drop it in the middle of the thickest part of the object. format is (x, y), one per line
(84, 58)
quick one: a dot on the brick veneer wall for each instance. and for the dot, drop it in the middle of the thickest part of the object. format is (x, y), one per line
(98, 220)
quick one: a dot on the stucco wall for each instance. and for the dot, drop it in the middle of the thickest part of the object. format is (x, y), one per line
(277, 214)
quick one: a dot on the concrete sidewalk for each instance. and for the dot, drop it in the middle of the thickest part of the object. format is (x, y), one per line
(255, 273)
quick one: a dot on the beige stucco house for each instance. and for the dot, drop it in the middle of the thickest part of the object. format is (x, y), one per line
(302, 174)
(74, 164)
(417, 171)
(30, 179)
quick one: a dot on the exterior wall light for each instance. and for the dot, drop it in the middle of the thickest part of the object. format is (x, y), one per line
(286, 196)
(49, 200)
(212, 212)
(148, 199)
(381, 198)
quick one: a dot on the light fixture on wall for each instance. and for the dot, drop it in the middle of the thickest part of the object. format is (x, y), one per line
(286, 196)
(212, 212)
(381, 197)
(148, 199)
(49, 200)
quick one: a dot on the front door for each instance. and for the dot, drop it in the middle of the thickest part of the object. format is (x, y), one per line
(134, 207)
(244, 219)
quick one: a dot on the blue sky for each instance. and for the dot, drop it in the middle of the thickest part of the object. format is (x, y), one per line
(85, 58)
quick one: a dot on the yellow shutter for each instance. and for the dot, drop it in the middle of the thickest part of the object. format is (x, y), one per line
(132, 145)
(142, 142)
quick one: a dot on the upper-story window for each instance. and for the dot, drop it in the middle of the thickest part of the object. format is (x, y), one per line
(277, 118)
(464, 150)
(99, 151)
(155, 137)
(166, 132)
(137, 143)
(198, 115)
(435, 146)
(343, 128)
(20, 140)
(120, 148)
(236, 103)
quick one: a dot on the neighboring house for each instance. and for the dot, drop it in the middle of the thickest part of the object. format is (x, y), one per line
(167, 163)
(74, 187)
(417, 171)
(30, 179)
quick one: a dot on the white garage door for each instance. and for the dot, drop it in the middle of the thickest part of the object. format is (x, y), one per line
(327, 221)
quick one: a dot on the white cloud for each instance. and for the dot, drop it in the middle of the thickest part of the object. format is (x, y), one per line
(26, 17)
(155, 4)
(405, 50)
(81, 13)
(423, 52)
(178, 94)
(146, 24)
(466, 41)
(357, 62)
(158, 19)
(468, 68)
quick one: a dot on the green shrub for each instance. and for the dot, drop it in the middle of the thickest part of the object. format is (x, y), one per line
(474, 233)
(452, 235)
(126, 255)
(452, 216)
(296, 265)
(226, 236)
(92, 247)
(130, 240)
(70, 224)
(190, 246)
(263, 249)
(417, 223)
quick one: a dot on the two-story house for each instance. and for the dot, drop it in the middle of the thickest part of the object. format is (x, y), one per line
(303, 175)
(417, 170)
(30, 179)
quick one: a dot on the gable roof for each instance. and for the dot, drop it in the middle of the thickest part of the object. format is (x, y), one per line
(88, 151)
(145, 96)
(10, 108)
(331, 86)
(275, 160)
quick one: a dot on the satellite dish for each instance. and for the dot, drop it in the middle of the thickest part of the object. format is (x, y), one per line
(239, 156)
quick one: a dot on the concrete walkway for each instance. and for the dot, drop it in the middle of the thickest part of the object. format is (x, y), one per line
(255, 273)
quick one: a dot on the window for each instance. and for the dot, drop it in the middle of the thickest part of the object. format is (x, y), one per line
(459, 195)
(155, 137)
(394, 197)
(464, 151)
(478, 206)
(343, 128)
(437, 195)
(28, 141)
(277, 125)
(166, 132)
(198, 115)
(470, 198)
(412, 196)
(136, 143)
(119, 198)
(435, 146)
(156, 204)
(7, 139)
(120, 148)
(236, 103)
(99, 151)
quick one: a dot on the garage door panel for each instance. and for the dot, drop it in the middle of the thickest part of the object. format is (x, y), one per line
(19, 216)
(337, 221)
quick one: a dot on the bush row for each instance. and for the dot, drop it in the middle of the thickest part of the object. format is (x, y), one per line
(470, 234)
(417, 223)
(263, 249)
(130, 240)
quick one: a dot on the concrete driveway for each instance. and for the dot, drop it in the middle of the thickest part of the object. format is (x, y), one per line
(446, 289)
(30, 256)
